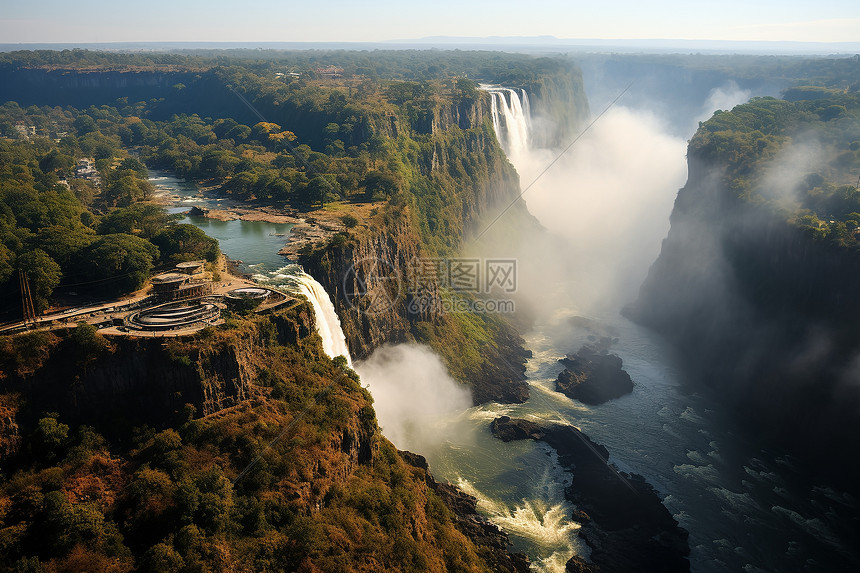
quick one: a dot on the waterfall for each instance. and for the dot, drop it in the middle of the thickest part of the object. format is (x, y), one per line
(328, 324)
(494, 109)
(527, 110)
(511, 113)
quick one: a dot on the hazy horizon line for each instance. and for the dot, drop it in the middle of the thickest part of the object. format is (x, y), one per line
(529, 43)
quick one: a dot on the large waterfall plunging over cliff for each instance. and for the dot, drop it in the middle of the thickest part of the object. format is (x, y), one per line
(511, 113)
(328, 324)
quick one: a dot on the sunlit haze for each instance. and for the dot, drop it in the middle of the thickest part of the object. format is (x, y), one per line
(88, 21)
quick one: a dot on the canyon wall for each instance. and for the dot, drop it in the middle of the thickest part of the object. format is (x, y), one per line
(761, 312)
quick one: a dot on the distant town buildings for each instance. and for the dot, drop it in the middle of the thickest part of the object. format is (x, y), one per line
(25, 131)
(330, 72)
(86, 169)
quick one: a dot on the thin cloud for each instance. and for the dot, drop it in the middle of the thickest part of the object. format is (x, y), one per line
(828, 30)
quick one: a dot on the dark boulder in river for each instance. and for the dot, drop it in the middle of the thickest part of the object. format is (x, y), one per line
(593, 377)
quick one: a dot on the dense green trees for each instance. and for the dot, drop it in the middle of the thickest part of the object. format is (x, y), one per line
(45, 229)
(43, 274)
(378, 184)
(118, 263)
(184, 242)
(141, 219)
(811, 136)
(50, 436)
(322, 141)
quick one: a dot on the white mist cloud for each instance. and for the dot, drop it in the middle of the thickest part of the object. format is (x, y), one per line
(723, 98)
(414, 396)
(785, 172)
(609, 198)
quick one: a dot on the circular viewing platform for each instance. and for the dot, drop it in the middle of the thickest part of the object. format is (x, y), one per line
(174, 316)
(256, 293)
(191, 267)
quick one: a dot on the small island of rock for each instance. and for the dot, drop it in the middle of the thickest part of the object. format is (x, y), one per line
(593, 376)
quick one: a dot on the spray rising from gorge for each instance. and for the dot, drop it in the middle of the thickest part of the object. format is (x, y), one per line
(606, 200)
(603, 204)
(617, 173)
(414, 396)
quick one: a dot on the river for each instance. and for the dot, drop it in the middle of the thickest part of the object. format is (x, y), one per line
(254, 243)
(746, 508)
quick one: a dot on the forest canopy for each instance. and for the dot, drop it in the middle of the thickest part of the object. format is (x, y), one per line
(813, 135)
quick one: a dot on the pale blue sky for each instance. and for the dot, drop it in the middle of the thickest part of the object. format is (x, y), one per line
(88, 21)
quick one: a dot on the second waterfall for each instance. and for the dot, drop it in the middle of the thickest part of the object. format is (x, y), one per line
(511, 118)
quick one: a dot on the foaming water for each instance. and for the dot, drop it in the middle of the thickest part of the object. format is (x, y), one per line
(327, 321)
(182, 194)
(542, 521)
(539, 525)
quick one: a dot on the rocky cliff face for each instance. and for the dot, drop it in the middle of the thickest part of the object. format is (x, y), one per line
(369, 275)
(559, 105)
(137, 381)
(368, 280)
(761, 312)
(82, 88)
(459, 161)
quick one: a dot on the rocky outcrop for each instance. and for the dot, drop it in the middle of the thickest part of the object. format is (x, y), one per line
(196, 211)
(593, 376)
(366, 280)
(494, 542)
(623, 520)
